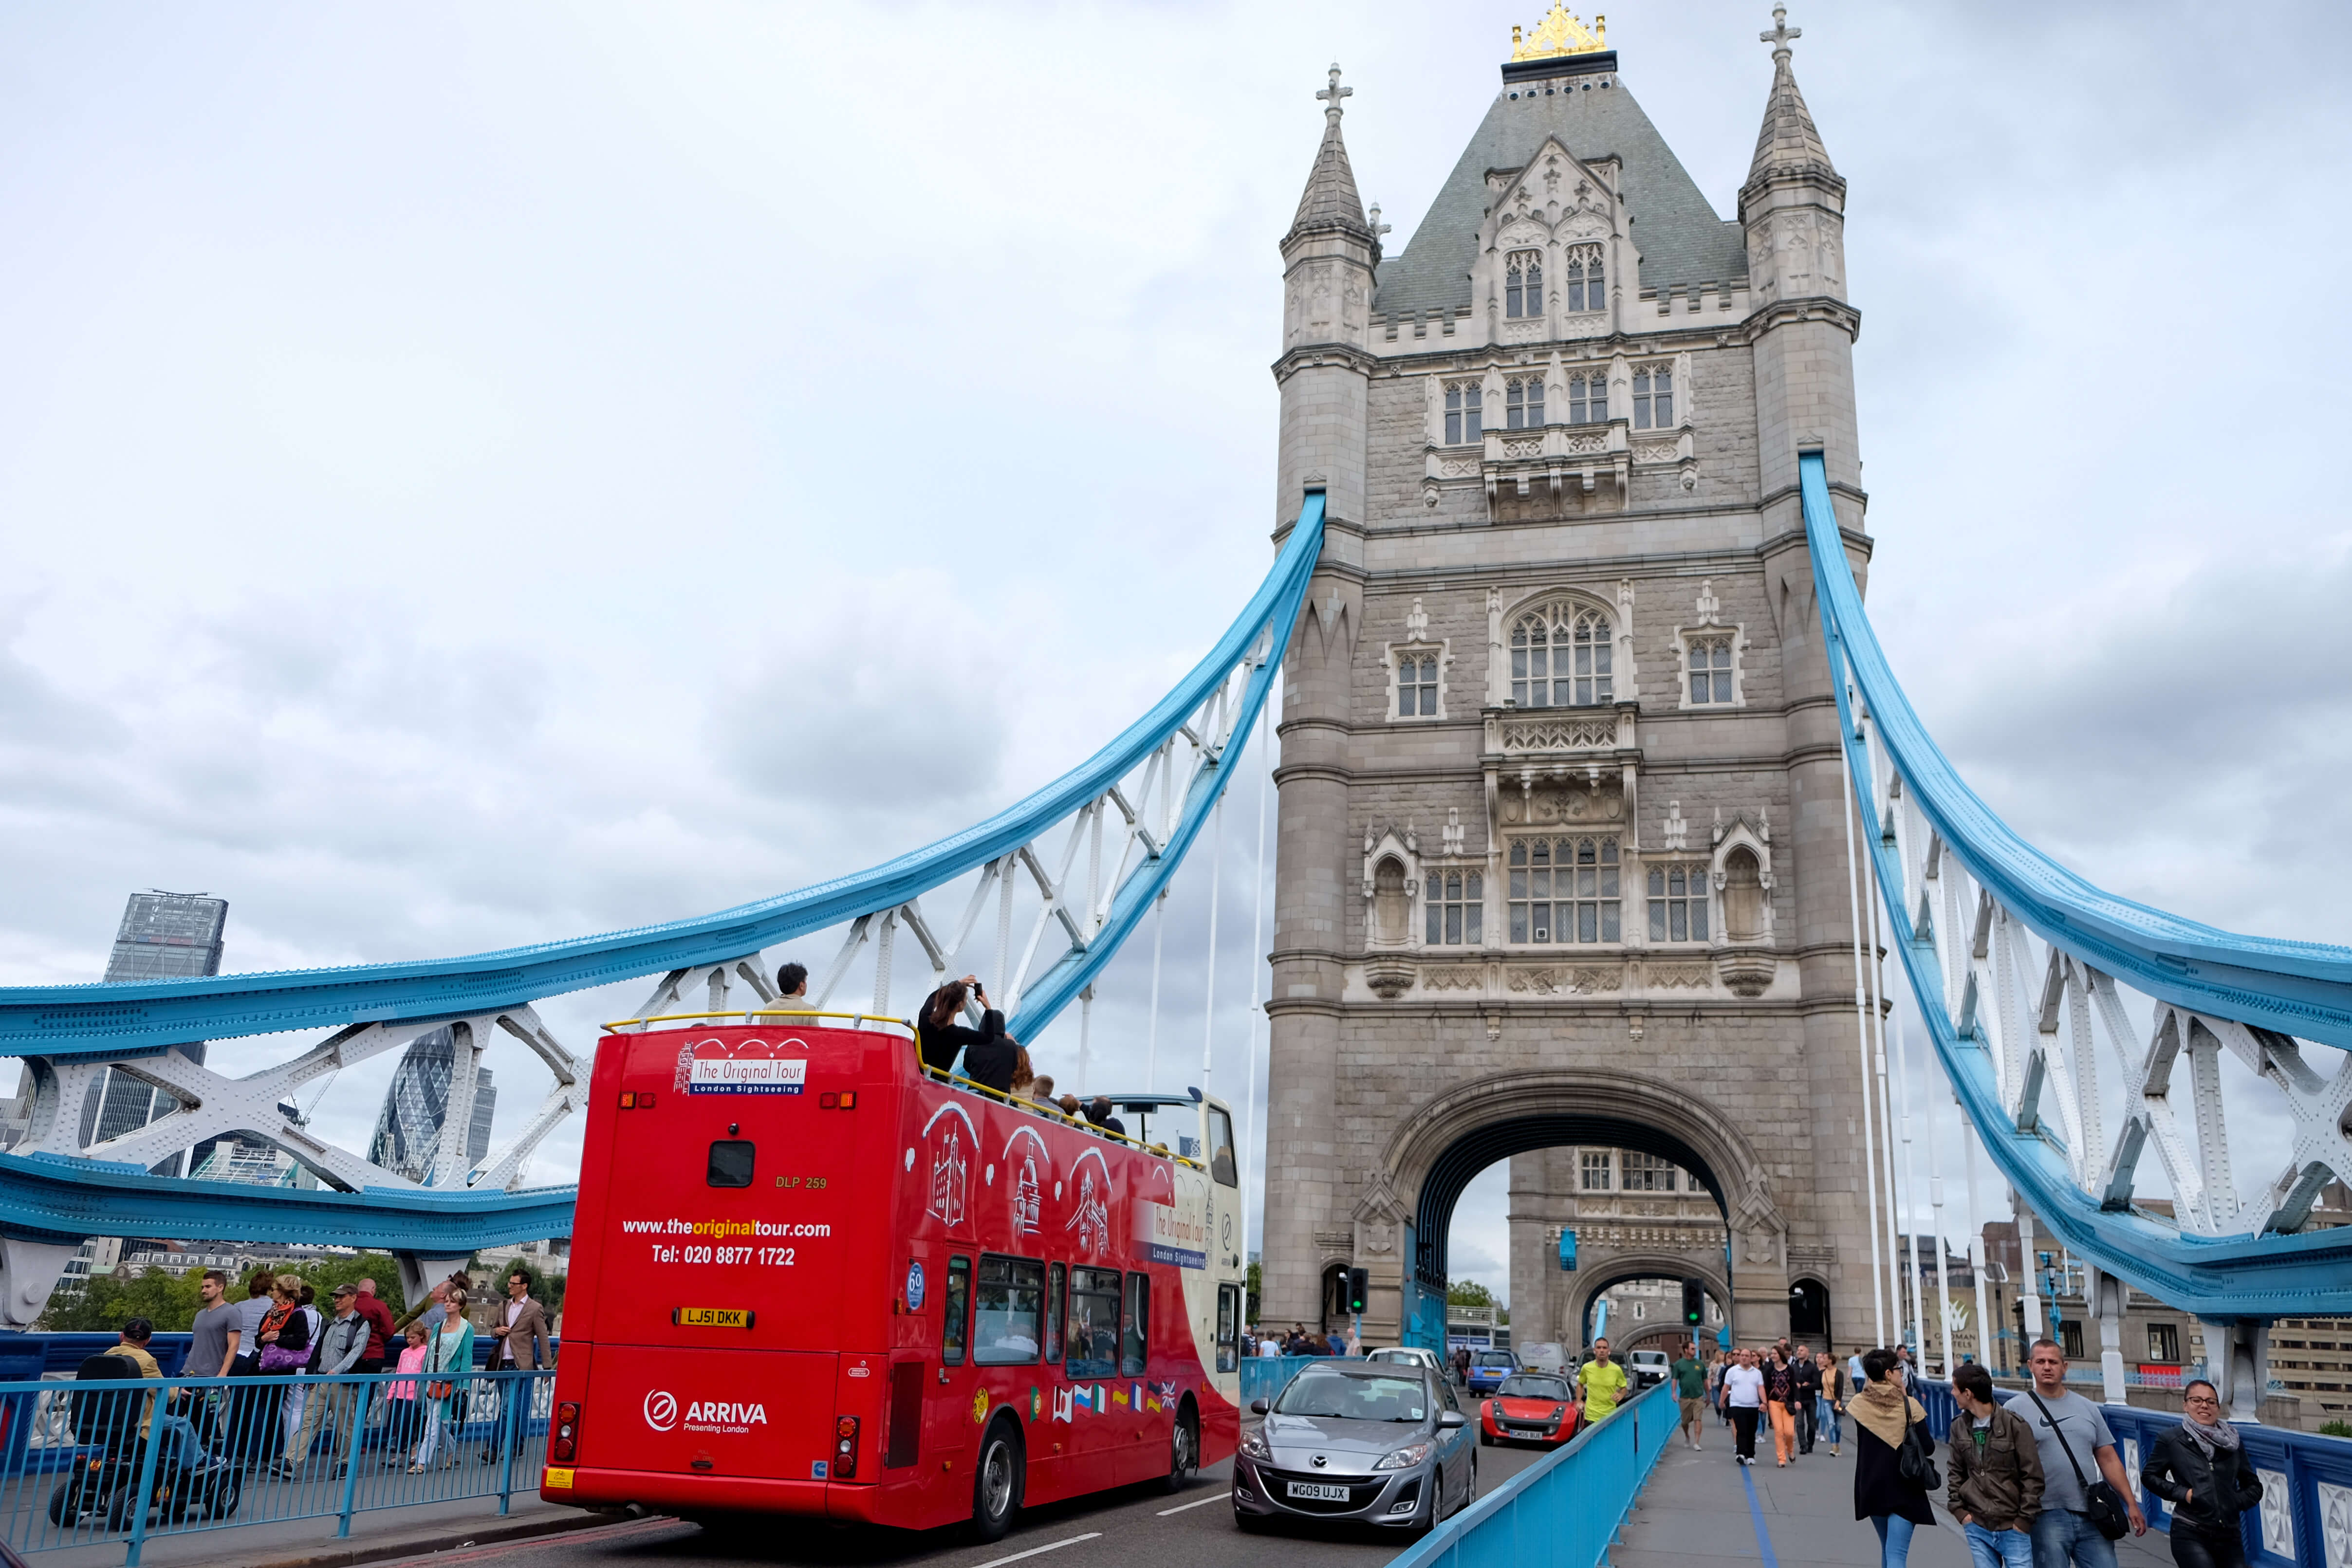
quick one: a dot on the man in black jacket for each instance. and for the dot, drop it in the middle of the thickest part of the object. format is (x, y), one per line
(1805, 1396)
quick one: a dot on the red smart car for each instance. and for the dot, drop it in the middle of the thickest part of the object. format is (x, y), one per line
(1530, 1407)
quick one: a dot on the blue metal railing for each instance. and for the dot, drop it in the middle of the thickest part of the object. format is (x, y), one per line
(1263, 1376)
(76, 1469)
(2307, 1478)
(1563, 1511)
(2301, 988)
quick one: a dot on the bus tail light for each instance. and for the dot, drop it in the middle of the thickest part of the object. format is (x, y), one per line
(564, 1442)
(846, 1100)
(845, 1448)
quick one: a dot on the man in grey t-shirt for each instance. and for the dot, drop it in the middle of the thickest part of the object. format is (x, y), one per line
(218, 1330)
(2062, 1535)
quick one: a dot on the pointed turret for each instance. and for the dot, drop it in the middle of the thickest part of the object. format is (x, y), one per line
(1788, 144)
(1329, 203)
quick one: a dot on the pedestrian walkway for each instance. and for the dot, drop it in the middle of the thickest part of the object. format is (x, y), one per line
(1698, 1509)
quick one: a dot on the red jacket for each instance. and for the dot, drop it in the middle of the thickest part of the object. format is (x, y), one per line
(380, 1326)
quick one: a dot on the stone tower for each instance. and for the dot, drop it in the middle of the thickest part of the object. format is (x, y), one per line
(1562, 854)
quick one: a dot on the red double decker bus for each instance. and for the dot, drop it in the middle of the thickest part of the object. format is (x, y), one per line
(810, 1278)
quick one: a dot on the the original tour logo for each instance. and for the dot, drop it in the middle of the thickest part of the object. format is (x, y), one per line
(745, 1067)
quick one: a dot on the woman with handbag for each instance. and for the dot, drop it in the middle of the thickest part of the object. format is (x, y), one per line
(2202, 1471)
(1893, 1473)
(448, 1364)
(285, 1340)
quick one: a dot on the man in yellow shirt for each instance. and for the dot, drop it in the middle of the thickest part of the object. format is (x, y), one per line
(1600, 1384)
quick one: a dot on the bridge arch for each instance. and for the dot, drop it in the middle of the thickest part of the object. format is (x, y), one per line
(1407, 1205)
(1625, 1267)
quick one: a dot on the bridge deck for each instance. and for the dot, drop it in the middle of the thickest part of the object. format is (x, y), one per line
(1695, 1511)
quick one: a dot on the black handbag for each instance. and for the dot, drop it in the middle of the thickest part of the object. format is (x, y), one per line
(2102, 1504)
(1912, 1463)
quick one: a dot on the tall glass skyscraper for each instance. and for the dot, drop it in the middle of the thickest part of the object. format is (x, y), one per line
(408, 1128)
(163, 936)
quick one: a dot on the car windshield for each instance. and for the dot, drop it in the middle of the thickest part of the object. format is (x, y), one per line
(1493, 1360)
(1533, 1388)
(1336, 1394)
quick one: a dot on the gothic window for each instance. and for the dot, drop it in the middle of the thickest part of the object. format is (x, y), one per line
(1417, 685)
(1654, 397)
(1710, 671)
(1453, 900)
(1388, 902)
(1647, 1173)
(1587, 290)
(1596, 1170)
(1743, 896)
(1523, 284)
(1564, 889)
(1524, 403)
(1462, 411)
(1677, 903)
(1587, 398)
(1561, 657)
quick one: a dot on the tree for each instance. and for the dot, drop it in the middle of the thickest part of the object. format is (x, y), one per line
(1256, 1279)
(1468, 1293)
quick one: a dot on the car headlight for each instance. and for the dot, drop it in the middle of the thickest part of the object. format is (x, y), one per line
(1405, 1458)
(1254, 1444)
(1558, 1411)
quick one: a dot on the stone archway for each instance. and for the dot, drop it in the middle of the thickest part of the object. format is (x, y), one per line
(1407, 1201)
(1657, 1266)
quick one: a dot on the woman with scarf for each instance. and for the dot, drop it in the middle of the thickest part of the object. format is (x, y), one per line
(1885, 1418)
(2202, 1469)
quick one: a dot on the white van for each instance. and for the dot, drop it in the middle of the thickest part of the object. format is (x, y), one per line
(1648, 1366)
(1544, 1355)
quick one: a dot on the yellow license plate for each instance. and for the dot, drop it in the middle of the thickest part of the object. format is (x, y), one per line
(556, 1478)
(711, 1317)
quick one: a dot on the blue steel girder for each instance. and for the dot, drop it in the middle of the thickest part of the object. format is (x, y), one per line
(49, 1197)
(2295, 988)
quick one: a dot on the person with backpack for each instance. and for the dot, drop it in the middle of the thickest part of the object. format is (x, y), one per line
(1996, 1485)
(1894, 1469)
(2202, 1469)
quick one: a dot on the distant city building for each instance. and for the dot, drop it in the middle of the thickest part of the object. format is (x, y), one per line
(408, 1128)
(163, 936)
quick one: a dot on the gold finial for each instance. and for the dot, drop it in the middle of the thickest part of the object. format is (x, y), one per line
(1561, 34)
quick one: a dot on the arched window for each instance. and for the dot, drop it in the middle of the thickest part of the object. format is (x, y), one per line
(1710, 671)
(1564, 889)
(1388, 902)
(1654, 397)
(1453, 902)
(1417, 685)
(1677, 903)
(1462, 414)
(1743, 896)
(1561, 657)
(1587, 398)
(1587, 290)
(1523, 284)
(1524, 403)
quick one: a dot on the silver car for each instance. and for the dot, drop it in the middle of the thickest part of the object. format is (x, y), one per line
(1369, 1443)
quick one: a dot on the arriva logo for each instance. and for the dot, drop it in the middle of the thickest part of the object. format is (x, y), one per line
(710, 1413)
(661, 1410)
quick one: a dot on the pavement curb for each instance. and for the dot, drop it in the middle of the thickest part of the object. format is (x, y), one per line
(434, 1542)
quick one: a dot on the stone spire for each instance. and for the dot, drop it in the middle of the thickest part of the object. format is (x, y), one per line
(1330, 204)
(1788, 144)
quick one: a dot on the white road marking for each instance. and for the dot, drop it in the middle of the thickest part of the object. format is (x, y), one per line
(1054, 1546)
(1196, 1503)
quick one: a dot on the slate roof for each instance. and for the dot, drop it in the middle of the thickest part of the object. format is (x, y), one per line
(1681, 239)
(1329, 200)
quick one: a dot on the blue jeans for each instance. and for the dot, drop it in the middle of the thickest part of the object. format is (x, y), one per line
(1893, 1539)
(1998, 1548)
(2061, 1538)
(1825, 1421)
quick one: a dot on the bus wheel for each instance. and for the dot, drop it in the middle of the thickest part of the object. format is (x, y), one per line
(996, 1483)
(1184, 1457)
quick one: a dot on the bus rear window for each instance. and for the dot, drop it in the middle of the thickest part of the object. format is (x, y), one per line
(958, 1311)
(730, 1161)
(1137, 1341)
(1222, 1165)
(1054, 1283)
(1093, 1322)
(1012, 1311)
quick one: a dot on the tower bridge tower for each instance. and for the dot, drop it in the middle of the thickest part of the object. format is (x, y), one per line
(1562, 848)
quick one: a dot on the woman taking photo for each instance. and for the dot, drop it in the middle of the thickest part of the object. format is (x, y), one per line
(2202, 1469)
(1888, 1421)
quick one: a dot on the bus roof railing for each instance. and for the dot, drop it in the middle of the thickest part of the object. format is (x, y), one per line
(1054, 1114)
(858, 1021)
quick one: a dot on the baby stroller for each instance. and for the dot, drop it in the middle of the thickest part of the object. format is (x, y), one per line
(106, 1480)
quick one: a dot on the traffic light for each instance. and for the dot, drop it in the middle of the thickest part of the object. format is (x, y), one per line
(1693, 1303)
(1358, 1280)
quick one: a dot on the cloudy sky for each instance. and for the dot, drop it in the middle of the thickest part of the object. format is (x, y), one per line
(473, 475)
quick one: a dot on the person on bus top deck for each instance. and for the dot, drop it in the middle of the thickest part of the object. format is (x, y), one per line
(791, 989)
(996, 1061)
(938, 1036)
(1098, 1112)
